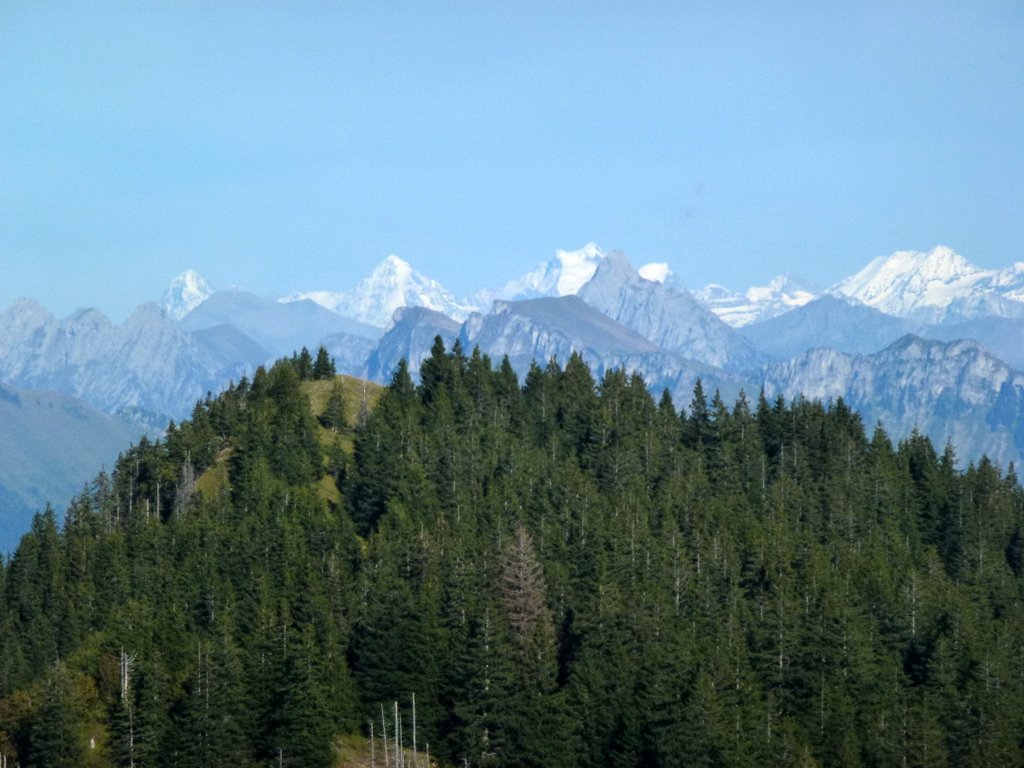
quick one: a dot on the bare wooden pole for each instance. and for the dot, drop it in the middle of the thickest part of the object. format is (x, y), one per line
(397, 739)
(384, 732)
(415, 761)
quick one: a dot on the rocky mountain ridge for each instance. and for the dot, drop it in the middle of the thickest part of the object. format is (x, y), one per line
(153, 368)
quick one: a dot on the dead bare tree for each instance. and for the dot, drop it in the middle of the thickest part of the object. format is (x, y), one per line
(523, 591)
(127, 665)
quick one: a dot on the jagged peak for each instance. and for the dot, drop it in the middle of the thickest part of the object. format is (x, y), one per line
(392, 284)
(25, 306)
(190, 277)
(616, 268)
(394, 264)
(186, 292)
(615, 263)
(591, 251)
(918, 344)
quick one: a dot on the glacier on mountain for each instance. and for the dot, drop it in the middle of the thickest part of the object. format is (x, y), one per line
(937, 286)
(564, 275)
(657, 272)
(782, 294)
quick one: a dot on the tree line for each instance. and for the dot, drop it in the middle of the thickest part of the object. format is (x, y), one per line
(564, 571)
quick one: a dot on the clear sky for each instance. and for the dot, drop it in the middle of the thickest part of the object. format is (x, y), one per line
(283, 146)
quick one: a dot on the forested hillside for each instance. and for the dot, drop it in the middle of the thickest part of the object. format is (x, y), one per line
(563, 572)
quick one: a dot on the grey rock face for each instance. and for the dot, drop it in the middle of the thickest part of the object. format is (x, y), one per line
(147, 366)
(668, 317)
(948, 390)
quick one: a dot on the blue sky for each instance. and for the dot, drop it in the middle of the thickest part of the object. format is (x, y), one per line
(284, 146)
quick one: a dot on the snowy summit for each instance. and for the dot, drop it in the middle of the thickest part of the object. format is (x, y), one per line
(656, 272)
(391, 285)
(186, 292)
(931, 286)
(758, 303)
(564, 275)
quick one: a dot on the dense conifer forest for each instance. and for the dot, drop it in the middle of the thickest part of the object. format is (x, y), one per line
(563, 571)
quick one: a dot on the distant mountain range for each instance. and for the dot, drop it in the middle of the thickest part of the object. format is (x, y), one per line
(939, 286)
(781, 295)
(888, 339)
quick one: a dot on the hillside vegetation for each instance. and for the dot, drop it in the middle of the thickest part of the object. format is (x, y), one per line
(562, 571)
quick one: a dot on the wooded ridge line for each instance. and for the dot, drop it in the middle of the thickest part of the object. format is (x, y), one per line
(563, 571)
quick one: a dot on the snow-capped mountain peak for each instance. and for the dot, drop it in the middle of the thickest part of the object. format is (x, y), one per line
(665, 315)
(392, 284)
(783, 293)
(186, 292)
(657, 272)
(912, 283)
(394, 265)
(787, 290)
(563, 275)
(576, 268)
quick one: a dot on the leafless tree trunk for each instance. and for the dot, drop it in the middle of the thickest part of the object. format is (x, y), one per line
(127, 664)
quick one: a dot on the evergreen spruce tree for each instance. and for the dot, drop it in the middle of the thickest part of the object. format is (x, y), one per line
(55, 738)
(324, 367)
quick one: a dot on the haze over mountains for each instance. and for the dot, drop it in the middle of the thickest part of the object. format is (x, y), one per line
(889, 340)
